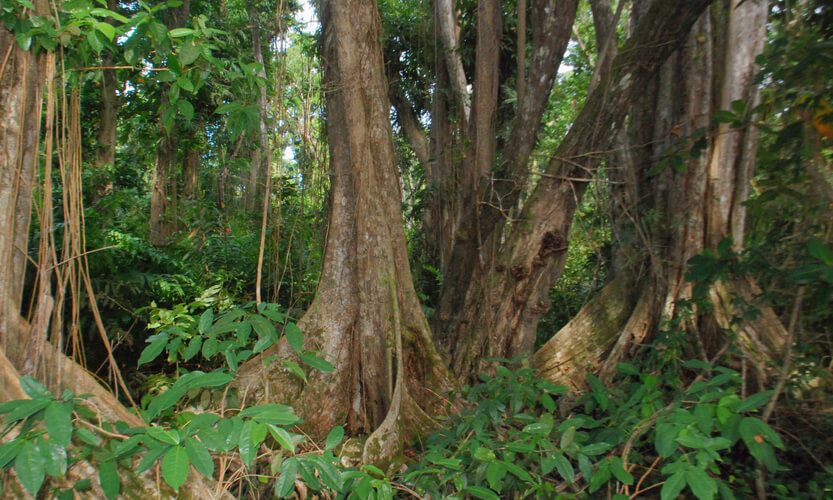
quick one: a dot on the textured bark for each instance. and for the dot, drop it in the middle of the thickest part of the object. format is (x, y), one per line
(365, 317)
(160, 225)
(20, 114)
(498, 314)
(262, 154)
(449, 34)
(105, 157)
(652, 257)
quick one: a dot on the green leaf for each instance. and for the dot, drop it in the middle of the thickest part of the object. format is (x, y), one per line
(334, 437)
(262, 344)
(567, 437)
(294, 369)
(206, 319)
(33, 388)
(99, 12)
(30, 467)
(188, 54)
(819, 250)
(191, 380)
(316, 362)
(482, 492)
(175, 466)
(108, 476)
(665, 439)
(565, 468)
(263, 327)
(9, 451)
(58, 420)
(495, 473)
(702, 485)
(181, 32)
(617, 467)
(209, 348)
(193, 346)
(282, 437)
(541, 428)
(106, 29)
(150, 458)
(285, 484)
(327, 472)
(517, 471)
(153, 350)
(754, 401)
(673, 486)
(200, 457)
(26, 408)
(95, 43)
(55, 457)
(295, 337)
(87, 436)
(246, 444)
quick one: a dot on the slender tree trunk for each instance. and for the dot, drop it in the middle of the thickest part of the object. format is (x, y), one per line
(105, 158)
(166, 154)
(365, 317)
(262, 155)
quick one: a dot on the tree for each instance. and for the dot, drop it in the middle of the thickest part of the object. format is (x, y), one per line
(673, 199)
(365, 317)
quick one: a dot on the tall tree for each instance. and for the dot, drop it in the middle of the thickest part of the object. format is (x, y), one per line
(365, 317)
(664, 215)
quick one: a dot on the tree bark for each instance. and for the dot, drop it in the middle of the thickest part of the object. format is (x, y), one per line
(262, 154)
(105, 158)
(495, 313)
(365, 317)
(693, 207)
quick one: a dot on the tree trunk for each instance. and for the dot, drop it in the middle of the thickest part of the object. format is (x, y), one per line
(262, 154)
(693, 205)
(365, 317)
(492, 311)
(166, 153)
(105, 158)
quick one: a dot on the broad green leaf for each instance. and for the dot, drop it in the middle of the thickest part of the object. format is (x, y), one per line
(702, 485)
(30, 467)
(206, 319)
(294, 336)
(153, 350)
(819, 250)
(150, 458)
(231, 358)
(617, 467)
(334, 437)
(55, 457)
(665, 438)
(263, 327)
(328, 473)
(87, 436)
(294, 369)
(194, 345)
(209, 348)
(568, 437)
(285, 485)
(262, 344)
(106, 29)
(181, 32)
(483, 454)
(191, 380)
(108, 476)
(9, 451)
(165, 436)
(26, 408)
(482, 492)
(95, 43)
(188, 54)
(541, 428)
(316, 362)
(495, 473)
(246, 444)
(99, 12)
(673, 486)
(200, 457)
(58, 420)
(565, 468)
(33, 388)
(175, 466)
(517, 471)
(754, 401)
(282, 437)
